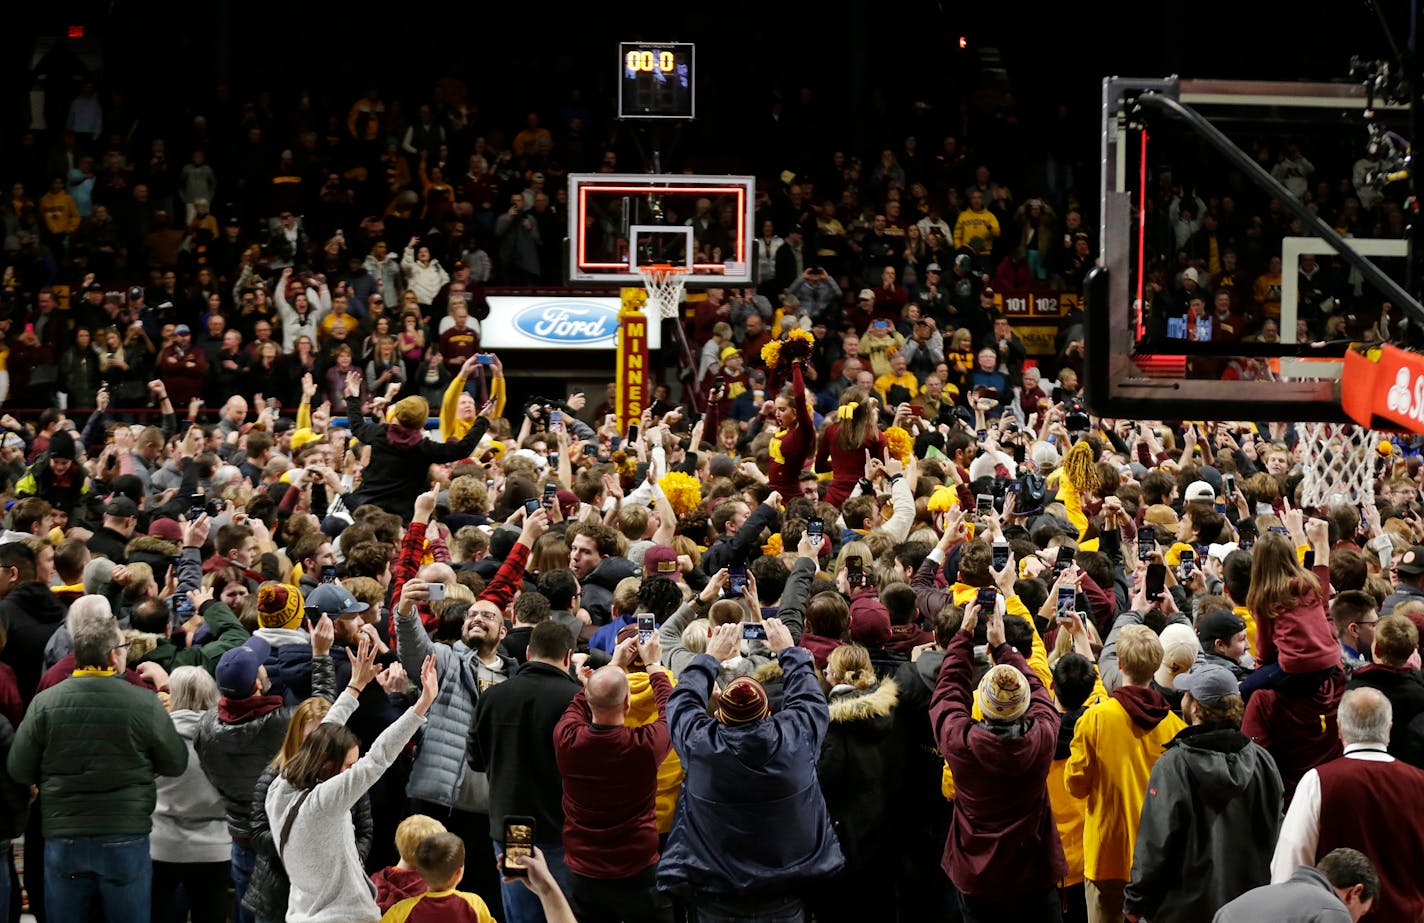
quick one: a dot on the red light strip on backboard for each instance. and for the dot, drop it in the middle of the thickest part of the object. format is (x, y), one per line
(739, 191)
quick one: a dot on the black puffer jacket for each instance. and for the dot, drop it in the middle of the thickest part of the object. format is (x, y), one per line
(267, 891)
(235, 754)
(859, 756)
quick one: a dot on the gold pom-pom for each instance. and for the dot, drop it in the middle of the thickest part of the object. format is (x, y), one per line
(683, 491)
(771, 353)
(899, 444)
(1081, 468)
(797, 345)
(773, 545)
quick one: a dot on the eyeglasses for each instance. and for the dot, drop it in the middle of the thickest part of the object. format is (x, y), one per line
(121, 647)
(1363, 622)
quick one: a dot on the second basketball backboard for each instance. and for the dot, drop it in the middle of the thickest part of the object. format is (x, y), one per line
(618, 222)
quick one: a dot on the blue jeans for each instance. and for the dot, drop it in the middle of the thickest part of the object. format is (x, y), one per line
(243, 859)
(520, 904)
(114, 868)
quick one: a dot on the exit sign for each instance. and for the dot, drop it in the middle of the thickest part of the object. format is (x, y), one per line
(76, 31)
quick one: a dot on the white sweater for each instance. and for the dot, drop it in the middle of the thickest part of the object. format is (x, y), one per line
(328, 883)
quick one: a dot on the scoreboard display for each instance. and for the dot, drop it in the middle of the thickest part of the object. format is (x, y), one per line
(655, 80)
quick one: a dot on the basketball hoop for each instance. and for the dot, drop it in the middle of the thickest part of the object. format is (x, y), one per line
(1338, 464)
(665, 284)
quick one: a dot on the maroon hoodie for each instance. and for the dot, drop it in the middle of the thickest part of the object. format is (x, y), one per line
(1146, 707)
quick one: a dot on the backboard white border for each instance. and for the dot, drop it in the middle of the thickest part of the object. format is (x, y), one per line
(636, 229)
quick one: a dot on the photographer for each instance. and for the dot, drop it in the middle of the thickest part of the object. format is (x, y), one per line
(817, 293)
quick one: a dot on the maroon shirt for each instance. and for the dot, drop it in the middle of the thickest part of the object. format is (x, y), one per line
(610, 788)
(1301, 732)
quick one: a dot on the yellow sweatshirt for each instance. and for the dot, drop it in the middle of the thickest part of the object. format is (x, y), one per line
(643, 709)
(1070, 813)
(451, 426)
(1108, 766)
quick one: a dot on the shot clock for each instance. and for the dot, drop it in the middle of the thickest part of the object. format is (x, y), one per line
(655, 80)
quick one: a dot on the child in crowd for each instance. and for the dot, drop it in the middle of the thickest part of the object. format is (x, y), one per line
(440, 861)
(397, 882)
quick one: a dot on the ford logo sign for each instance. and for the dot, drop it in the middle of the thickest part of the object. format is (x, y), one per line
(568, 322)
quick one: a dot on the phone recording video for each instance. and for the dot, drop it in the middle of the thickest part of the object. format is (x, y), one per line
(987, 598)
(647, 626)
(551, 494)
(855, 571)
(518, 845)
(753, 631)
(1001, 555)
(1067, 603)
(736, 580)
(816, 530)
(1186, 563)
(328, 573)
(531, 506)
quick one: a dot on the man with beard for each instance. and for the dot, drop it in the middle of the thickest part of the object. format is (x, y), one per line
(441, 784)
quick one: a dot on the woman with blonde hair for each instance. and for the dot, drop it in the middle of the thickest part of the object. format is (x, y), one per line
(848, 443)
(859, 759)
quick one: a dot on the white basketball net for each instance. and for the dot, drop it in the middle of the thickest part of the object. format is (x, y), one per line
(1338, 462)
(665, 286)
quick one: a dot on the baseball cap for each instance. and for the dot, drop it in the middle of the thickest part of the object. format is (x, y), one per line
(933, 267)
(182, 330)
(135, 292)
(1412, 562)
(1160, 514)
(237, 669)
(866, 295)
(986, 292)
(1199, 492)
(121, 506)
(334, 599)
(869, 627)
(1190, 273)
(93, 287)
(1208, 683)
(1220, 550)
(1219, 625)
(658, 559)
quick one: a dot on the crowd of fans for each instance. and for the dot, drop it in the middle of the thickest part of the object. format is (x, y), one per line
(894, 630)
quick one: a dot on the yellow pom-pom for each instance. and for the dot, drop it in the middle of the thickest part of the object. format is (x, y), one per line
(771, 353)
(899, 444)
(773, 545)
(683, 491)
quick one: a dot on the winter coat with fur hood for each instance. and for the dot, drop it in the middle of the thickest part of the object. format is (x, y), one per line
(859, 757)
